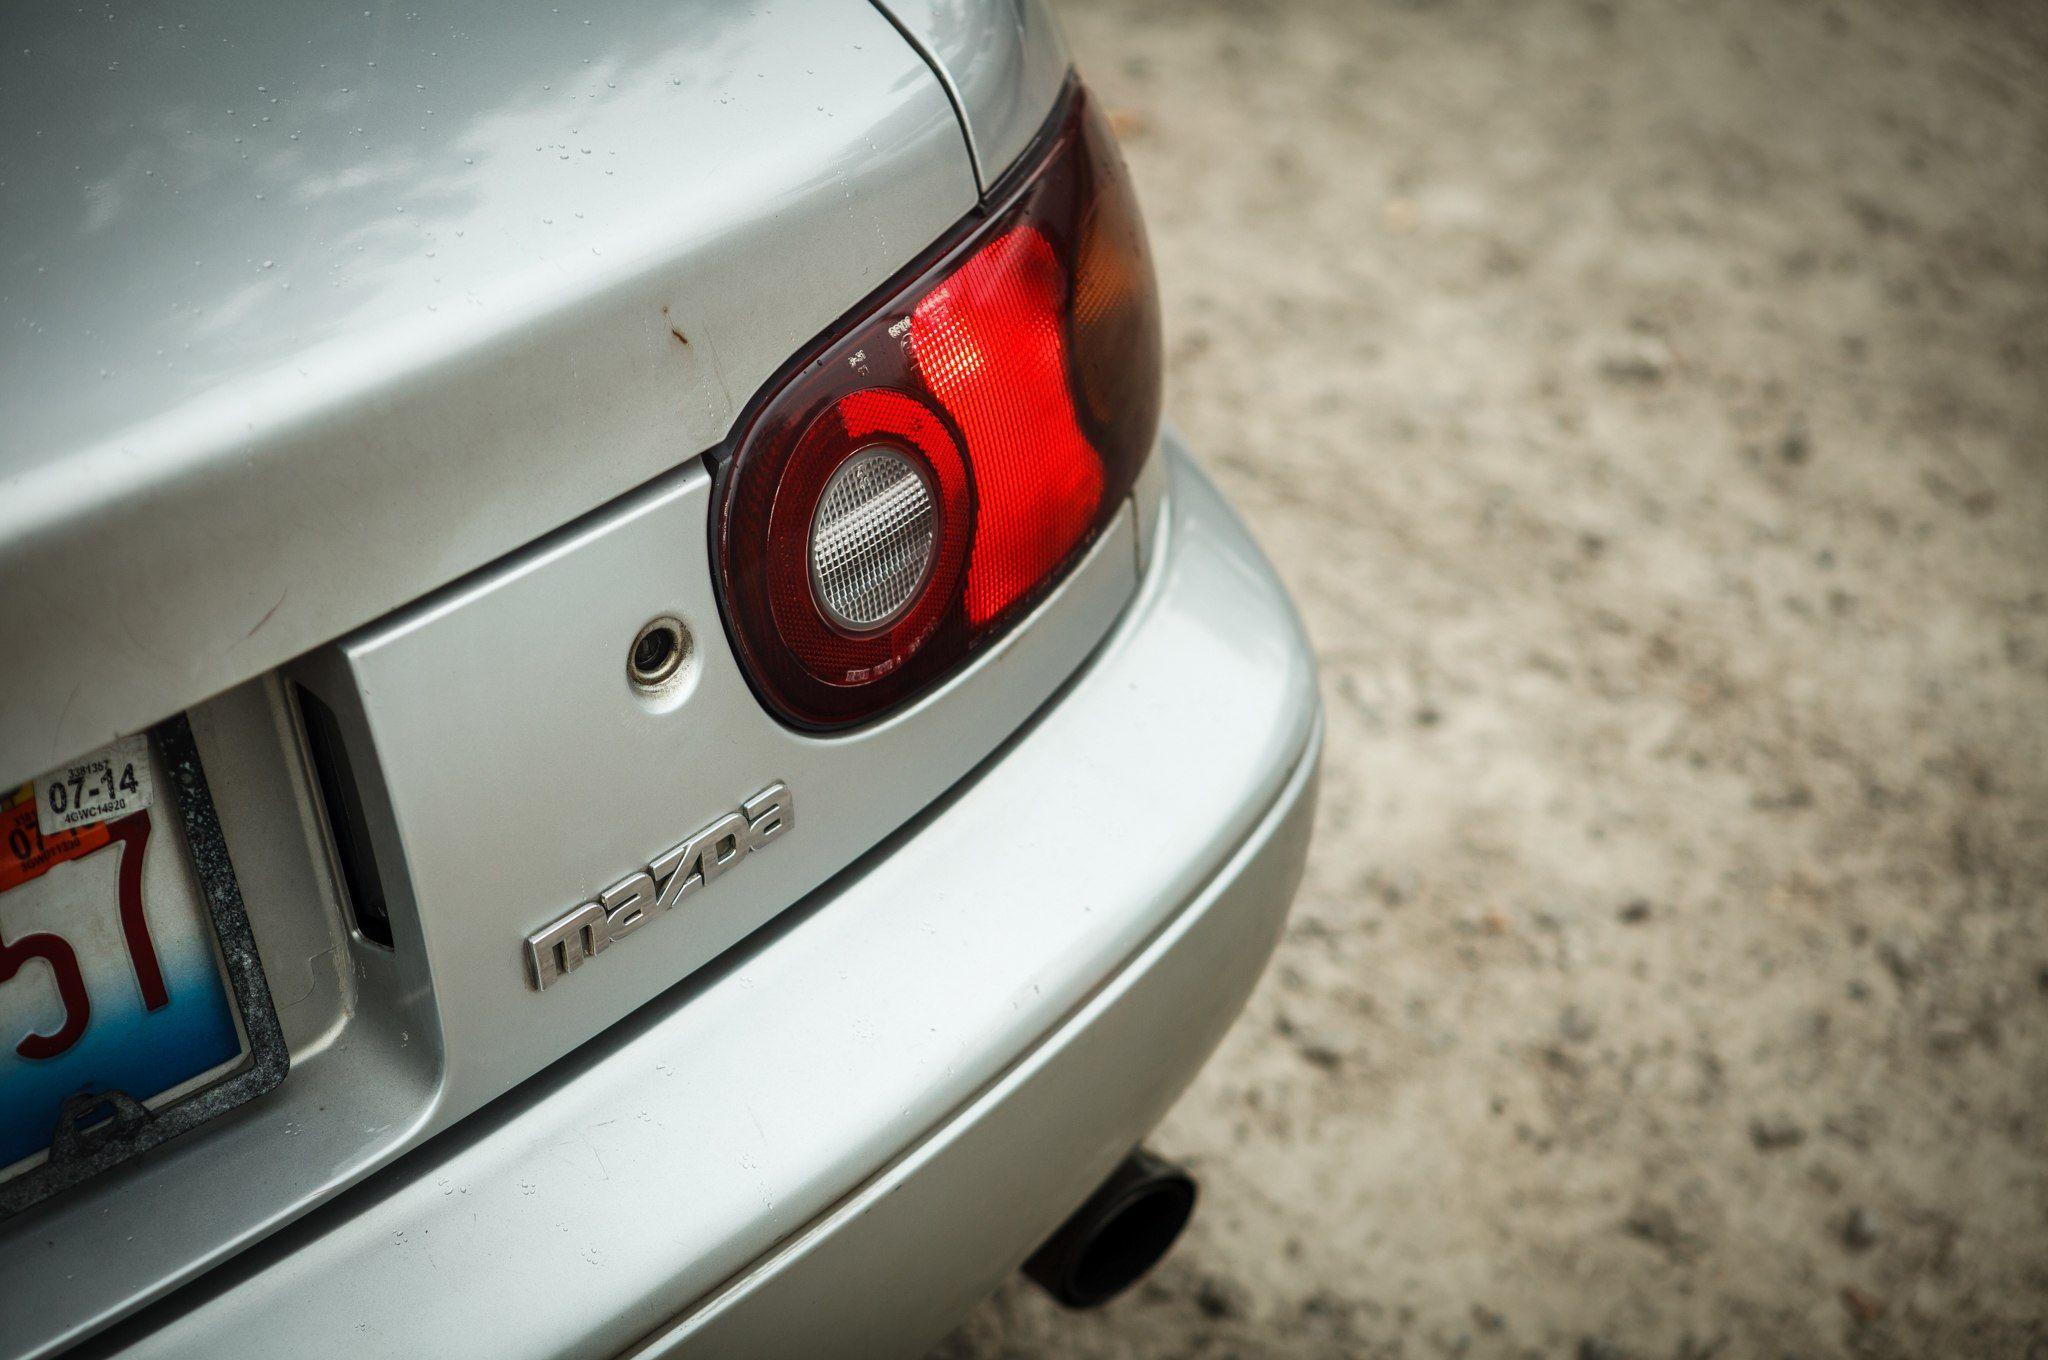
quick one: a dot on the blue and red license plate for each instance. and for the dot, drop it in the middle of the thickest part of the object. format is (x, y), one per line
(114, 992)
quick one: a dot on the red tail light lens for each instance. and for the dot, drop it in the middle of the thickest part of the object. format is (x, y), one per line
(933, 466)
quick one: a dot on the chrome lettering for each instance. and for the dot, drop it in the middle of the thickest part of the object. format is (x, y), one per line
(587, 930)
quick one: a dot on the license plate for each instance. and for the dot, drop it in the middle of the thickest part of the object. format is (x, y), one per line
(125, 1017)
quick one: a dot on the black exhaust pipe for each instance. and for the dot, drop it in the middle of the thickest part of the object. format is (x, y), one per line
(1120, 1233)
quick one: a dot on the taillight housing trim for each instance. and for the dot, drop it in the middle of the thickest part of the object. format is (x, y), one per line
(1016, 365)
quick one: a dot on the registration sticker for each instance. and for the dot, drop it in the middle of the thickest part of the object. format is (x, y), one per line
(111, 782)
(25, 852)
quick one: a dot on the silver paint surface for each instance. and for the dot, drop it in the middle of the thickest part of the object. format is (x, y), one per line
(306, 311)
(375, 320)
(497, 801)
(1003, 62)
(493, 800)
(961, 1208)
(496, 797)
(1000, 997)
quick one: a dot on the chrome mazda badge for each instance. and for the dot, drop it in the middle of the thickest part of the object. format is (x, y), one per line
(646, 893)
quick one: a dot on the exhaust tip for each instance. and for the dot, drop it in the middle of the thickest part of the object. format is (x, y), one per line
(1124, 1229)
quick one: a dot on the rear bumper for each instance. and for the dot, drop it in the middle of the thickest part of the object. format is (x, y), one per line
(894, 1265)
(838, 1140)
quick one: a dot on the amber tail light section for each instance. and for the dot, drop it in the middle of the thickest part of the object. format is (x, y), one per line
(931, 467)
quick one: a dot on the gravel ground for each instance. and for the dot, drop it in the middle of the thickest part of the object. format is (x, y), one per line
(1646, 405)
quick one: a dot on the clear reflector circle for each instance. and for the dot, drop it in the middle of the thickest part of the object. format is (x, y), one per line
(874, 536)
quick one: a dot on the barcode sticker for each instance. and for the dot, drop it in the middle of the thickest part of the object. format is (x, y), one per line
(111, 782)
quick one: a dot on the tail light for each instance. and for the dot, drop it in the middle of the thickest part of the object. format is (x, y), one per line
(931, 467)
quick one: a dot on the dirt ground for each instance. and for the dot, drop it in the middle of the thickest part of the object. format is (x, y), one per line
(1648, 406)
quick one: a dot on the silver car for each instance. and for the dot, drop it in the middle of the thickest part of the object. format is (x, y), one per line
(622, 733)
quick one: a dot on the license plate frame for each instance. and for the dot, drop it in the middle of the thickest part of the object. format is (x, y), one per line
(78, 1153)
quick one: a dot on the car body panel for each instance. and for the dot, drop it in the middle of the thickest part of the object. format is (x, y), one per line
(509, 784)
(1077, 922)
(307, 313)
(1002, 62)
(502, 795)
(415, 326)
(896, 1264)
